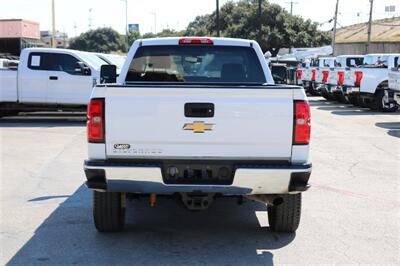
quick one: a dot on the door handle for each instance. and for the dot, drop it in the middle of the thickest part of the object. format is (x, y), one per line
(199, 109)
(53, 77)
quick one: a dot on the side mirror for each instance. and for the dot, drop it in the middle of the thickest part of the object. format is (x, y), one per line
(108, 74)
(82, 69)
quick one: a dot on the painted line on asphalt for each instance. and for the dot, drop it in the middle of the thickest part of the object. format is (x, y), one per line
(355, 194)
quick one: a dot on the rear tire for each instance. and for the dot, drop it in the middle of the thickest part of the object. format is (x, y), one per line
(285, 217)
(109, 211)
(381, 104)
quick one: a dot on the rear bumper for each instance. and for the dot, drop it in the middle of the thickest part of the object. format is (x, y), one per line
(147, 177)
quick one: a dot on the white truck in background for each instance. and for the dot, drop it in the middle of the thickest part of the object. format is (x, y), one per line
(49, 79)
(113, 59)
(371, 82)
(197, 119)
(322, 75)
(307, 75)
(394, 82)
(334, 85)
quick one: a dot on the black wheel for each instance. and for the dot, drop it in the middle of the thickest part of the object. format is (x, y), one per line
(109, 211)
(381, 102)
(355, 100)
(8, 113)
(347, 98)
(340, 97)
(285, 217)
(364, 102)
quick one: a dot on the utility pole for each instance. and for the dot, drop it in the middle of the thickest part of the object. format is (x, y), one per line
(217, 12)
(334, 28)
(53, 25)
(291, 13)
(291, 6)
(367, 48)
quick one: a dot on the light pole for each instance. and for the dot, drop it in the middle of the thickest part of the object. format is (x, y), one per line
(259, 20)
(53, 23)
(155, 21)
(126, 22)
(217, 13)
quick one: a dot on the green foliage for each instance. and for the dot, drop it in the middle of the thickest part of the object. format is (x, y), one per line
(132, 37)
(103, 40)
(279, 29)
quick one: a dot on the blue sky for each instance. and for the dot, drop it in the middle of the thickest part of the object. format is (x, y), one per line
(72, 16)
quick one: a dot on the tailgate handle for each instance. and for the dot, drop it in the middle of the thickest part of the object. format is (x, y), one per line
(199, 109)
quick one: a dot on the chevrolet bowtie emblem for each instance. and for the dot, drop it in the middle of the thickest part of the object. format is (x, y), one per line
(198, 127)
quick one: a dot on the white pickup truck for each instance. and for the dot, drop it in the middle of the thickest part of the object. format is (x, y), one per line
(334, 85)
(371, 82)
(307, 74)
(49, 79)
(322, 75)
(197, 119)
(113, 59)
(394, 82)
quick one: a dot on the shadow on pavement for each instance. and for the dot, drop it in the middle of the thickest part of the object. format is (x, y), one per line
(337, 108)
(393, 128)
(44, 119)
(225, 234)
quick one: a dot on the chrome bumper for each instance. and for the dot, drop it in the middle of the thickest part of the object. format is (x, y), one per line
(148, 178)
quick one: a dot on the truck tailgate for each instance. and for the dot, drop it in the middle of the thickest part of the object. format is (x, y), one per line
(149, 122)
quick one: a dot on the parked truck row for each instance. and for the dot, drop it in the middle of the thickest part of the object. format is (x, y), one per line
(370, 81)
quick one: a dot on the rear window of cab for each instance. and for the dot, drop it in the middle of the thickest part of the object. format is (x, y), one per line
(196, 64)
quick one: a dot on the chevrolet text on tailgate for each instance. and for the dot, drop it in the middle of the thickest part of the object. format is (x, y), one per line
(197, 119)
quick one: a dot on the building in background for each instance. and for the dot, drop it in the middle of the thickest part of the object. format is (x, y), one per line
(17, 34)
(61, 39)
(385, 37)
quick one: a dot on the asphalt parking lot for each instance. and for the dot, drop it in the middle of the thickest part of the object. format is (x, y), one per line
(350, 215)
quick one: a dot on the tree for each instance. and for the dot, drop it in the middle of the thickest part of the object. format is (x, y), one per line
(279, 29)
(132, 37)
(102, 40)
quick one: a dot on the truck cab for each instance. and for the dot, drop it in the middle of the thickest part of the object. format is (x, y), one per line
(49, 78)
(394, 81)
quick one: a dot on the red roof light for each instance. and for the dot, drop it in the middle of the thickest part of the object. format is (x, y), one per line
(196, 41)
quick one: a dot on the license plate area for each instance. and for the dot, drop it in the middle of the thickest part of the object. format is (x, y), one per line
(198, 174)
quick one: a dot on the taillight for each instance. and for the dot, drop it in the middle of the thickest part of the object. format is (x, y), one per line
(359, 76)
(340, 77)
(299, 74)
(195, 41)
(313, 75)
(95, 121)
(302, 123)
(325, 75)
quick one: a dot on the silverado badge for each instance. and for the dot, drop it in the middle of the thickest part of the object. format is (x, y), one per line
(198, 127)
